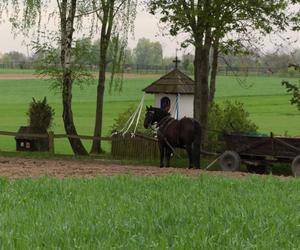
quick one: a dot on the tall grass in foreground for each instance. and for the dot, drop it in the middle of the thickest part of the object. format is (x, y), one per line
(141, 213)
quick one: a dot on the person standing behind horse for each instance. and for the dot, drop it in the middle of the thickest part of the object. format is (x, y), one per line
(165, 104)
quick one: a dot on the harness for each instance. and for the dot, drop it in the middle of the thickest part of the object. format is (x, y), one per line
(165, 123)
(162, 126)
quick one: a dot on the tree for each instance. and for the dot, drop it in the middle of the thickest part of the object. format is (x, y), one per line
(277, 61)
(13, 57)
(187, 60)
(148, 53)
(294, 90)
(85, 52)
(65, 74)
(67, 13)
(207, 22)
(116, 18)
(129, 56)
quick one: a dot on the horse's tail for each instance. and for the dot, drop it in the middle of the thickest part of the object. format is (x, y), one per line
(197, 144)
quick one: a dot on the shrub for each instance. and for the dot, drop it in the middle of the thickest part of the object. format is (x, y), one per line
(40, 115)
(228, 118)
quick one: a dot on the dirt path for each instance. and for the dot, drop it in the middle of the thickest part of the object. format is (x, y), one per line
(24, 167)
(17, 76)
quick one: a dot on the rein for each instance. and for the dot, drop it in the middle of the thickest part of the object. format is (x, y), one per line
(163, 125)
(169, 145)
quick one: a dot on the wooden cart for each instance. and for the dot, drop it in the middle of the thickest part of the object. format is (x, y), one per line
(257, 151)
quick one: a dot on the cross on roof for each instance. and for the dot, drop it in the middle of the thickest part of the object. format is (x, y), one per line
(176, 61)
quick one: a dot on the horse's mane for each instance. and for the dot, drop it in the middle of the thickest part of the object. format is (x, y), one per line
(160, 111)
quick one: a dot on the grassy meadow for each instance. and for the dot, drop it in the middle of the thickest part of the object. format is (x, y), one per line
(16, 71)
(266, 100)
(172, 212)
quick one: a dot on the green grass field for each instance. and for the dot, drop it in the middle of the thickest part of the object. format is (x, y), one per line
(266, 101)
(16, 71)
(173, 212)
(150, 213)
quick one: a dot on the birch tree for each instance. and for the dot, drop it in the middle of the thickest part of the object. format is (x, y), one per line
(30, 16)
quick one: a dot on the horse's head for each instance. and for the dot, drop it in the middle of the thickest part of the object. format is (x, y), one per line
(149, 117)
(153, 115)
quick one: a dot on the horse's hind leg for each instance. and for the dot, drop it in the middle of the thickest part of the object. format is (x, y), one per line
(162, 154)
(189, 151)
(196, 154)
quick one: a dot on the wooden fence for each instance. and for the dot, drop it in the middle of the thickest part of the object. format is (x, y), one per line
(140, 146)
(51, 137)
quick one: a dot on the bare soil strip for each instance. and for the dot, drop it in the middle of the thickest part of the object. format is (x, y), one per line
(17, 76)
(14, 167)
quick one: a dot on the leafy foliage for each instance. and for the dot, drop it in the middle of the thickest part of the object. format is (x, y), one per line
(40, 114)
(228, 117)
(293, 89)
(222, 17)
(49, 65)
(148, 53)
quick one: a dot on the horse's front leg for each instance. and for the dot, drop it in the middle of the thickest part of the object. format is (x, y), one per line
(189, 151)
(168, 156)
(162, 154)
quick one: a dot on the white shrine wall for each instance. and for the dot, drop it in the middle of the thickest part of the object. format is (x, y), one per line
(186, 104)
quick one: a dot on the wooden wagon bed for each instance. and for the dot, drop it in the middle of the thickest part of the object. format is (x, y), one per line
(259, 150)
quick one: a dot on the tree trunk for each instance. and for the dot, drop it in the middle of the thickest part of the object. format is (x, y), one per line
(204, 75)
(197, 91)
(104, 41)
(69, 125)
(96, 147)
(67, 30)
(214, 70)
(106, 29)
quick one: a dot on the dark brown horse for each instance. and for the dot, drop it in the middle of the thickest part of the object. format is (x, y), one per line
(183, 133)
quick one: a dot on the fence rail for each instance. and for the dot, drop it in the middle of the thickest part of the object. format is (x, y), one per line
(163, 69)
(139, 146)
(51, 137)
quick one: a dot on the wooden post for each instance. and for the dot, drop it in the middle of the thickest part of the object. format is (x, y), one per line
(51, 143)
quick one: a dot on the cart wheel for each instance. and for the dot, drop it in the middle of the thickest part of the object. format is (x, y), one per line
(230, 161)
(296, 166)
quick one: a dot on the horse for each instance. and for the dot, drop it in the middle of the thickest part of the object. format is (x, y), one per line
(184, 133)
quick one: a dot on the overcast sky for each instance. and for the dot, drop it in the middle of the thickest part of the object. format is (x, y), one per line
(146, 26)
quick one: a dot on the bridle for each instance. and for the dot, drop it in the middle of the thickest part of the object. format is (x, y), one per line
(150, 116)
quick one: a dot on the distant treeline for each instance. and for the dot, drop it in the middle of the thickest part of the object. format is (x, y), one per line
(147, 57)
